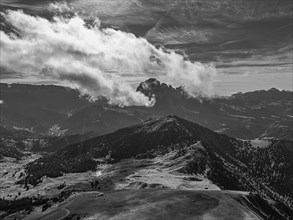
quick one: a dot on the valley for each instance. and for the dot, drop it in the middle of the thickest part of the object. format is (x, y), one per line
(165, 153)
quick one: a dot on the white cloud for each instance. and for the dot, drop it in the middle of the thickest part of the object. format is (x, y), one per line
(94, 60)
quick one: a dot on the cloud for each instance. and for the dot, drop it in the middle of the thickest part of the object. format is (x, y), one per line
(96, 61)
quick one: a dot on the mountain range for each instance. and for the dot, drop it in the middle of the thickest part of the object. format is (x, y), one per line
(70, 153)
(31, 111)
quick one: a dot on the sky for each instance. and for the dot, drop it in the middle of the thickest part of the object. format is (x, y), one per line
(218, 46)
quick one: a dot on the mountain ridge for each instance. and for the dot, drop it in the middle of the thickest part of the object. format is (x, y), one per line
(229, 162)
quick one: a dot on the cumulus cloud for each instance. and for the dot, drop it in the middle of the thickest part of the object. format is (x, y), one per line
(96, 61)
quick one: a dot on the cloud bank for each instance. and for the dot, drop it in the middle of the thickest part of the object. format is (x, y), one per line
(96, 61)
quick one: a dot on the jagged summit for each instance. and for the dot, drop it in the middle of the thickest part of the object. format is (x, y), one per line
(150, 86)
(153, 87)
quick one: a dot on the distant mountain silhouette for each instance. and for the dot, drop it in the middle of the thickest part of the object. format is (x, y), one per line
(244, 115)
